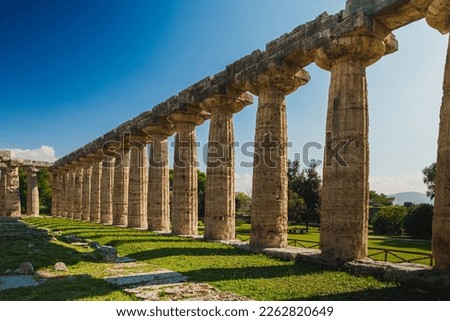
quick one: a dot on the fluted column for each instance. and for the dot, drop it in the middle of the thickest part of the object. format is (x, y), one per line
(32, 192)
(3, 190)
(55, 193)
(269, 220)
(78, 192)
(185, 189)
(137, 194)
(107, 188)
(71, 192)
(64, 199)
(220, 183)
(12, 197)
(86, 191)
(158, 207)
(345, 193)
(120, 194)
(95, 197)
(438, 16)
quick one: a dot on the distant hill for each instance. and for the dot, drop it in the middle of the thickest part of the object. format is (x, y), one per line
(413, 197)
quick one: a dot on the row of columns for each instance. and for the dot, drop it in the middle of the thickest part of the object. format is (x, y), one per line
(125, 192)
(10, 204)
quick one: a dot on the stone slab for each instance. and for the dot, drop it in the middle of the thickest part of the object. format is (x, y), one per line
(16, 281)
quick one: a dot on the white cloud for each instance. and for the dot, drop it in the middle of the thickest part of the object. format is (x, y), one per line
(44, 153)
(397, 184)
(244, 184)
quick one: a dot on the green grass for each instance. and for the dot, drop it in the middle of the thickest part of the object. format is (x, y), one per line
(229, 269)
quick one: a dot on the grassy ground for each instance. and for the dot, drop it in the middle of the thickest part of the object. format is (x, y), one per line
(390, 243)
(229, 269)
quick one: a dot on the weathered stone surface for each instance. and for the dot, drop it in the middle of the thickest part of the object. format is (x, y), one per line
(137, 193)
(158, 210)
(441, 216)
(96, 187)
(345, 191)
(86, 191)
(106, 206)
(120, 192)
(16, 281)
(269, 188)
(438, 15)
(32, 192)
(220, 189)
(105, 253)
(185, 190)
(25, 268)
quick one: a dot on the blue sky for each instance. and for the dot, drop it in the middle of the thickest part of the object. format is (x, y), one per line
(73, 70)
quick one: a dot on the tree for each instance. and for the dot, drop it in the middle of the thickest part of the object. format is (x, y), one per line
(389, 220)
(45, 190)
(429, 177)
(23, 185)
(242, 203)
(418, 222)
(304, 186)
(381, 199)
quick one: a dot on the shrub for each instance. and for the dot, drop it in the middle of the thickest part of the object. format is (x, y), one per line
(419, 220)
(389, 220)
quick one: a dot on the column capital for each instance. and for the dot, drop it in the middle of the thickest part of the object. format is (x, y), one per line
(31, 169)
(438, 15)
(365, 50)
(278, 75)
(233, 102)
(190, 114)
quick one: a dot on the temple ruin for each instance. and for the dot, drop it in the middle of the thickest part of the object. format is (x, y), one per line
(111, 180)
(10, 204)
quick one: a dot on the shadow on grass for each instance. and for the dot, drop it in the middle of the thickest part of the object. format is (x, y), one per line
(185, 251)
(62, 289)
(409, 245)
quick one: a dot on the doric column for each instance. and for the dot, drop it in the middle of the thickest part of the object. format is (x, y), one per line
(107, 187)
(269, 219)
(345, 192)
(86, 190)
(70, 207)
(137, 193)
(95, 197)
(158, 203)
(64, 196)
(12, 197)
(55, 192)
(185, 189)
(120, 194)
(220, 183)
(3, 189)
(32, 192)
(78, 192)
(438, 17)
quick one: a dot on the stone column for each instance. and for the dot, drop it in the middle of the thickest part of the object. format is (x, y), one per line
(86, 191)
(70, 207)
(185, 189)
(32, 192)
(107, 187)
(95, 196)
(12, 197)
(3, 189)
(438, 16)
(64, 196)
(158, 210)
(269, 221)
(220, 183)
(55, 193)
(137, 194)
(345, 193)
(78, 192)
(120, 193)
